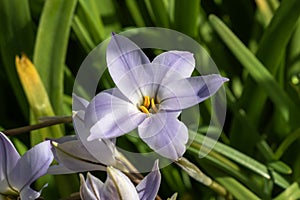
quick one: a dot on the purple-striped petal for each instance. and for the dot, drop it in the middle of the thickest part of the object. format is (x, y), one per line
(149, 186)
(184, 93)
(122, 56)
(33, 164)
(8, 159)
(165, 134)
(114, 116)
(182, 62)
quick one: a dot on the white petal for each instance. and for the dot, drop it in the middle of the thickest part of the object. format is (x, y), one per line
(118, 186)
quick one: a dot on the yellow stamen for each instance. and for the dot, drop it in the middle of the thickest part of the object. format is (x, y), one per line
(144, 109)
(146, 101)
(153, 106)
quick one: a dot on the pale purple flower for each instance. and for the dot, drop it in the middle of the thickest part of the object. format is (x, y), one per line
(75, 153)
(17, 172)
(119, 187)
(149, 96)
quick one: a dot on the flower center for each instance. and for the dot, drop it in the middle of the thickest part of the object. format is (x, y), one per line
(148, 106)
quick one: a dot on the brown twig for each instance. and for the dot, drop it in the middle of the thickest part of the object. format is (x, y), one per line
(49, 121)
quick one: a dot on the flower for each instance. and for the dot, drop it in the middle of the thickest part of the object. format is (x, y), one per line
(149, 96)
(76, 154)
(18, 173)
(118, 186)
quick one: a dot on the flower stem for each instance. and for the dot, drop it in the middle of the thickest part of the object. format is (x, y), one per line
(47, 121)
(198, 175)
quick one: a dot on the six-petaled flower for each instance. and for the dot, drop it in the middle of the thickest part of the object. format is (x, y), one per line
(149, 96)
(18, 173)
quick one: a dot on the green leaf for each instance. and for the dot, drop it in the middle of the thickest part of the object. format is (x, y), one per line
(241, 159)
(82, 35)
(278, 33)
(135, 12)
(236, 189)
(292, 137)
(90, 16)
(17, 36)
(158, 12)
(185, 15)
(260, 74)
(51, 46)
(270, 52)
(280, 167)
(292, 192)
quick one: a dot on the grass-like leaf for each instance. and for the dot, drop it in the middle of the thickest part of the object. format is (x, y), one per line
(51, 45)
(257, 70)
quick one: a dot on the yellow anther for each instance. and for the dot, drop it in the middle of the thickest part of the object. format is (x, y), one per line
(144, 109)
(153, 106)
(146, 101)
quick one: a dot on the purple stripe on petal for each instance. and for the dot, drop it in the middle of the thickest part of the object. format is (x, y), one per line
(148, 187)
(122, 56)
(33, 164)
(181, 94)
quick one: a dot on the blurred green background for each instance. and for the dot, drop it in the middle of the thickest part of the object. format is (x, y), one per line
(256, 44)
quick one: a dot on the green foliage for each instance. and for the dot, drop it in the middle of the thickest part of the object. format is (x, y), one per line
(256, 44)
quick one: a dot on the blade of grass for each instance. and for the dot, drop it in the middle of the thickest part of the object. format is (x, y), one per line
(257, 70)
(270, 53)
(82, 35)
(292, 137)
(229, 167)
(241, 159)
(235, 188)
(135, 12)
(159, 13)
(292, 192)
(90, 16)
(273, 42)
(51, 45)
(17, 36)
(185, 17)
(278, 33)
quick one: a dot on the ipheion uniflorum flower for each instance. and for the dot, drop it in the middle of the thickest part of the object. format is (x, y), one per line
(149, 96)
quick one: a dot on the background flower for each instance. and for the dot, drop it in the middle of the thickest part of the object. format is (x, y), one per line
(18, 173)
(118, 186)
